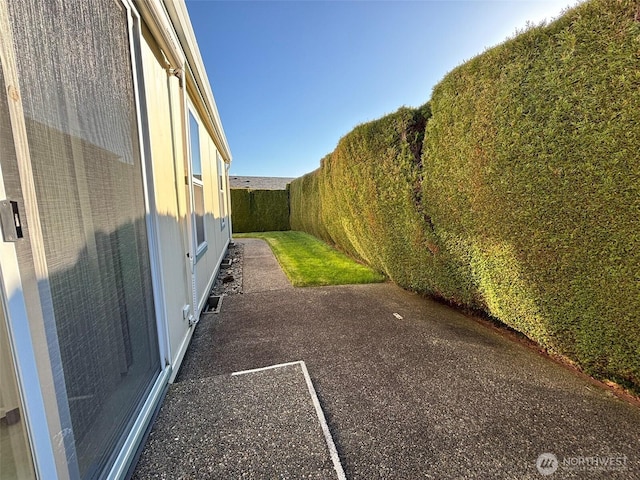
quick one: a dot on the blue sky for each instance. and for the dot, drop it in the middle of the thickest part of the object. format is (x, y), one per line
(290, 78)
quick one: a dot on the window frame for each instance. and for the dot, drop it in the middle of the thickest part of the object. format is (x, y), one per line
(221, 185)
(200, 244)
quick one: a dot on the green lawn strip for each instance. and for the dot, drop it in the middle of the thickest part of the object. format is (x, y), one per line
(308, 261)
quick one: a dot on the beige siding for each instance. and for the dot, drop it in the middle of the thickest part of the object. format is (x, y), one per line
(163, 98)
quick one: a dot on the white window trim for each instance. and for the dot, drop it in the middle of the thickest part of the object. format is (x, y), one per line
(201, 248)
(221, 167)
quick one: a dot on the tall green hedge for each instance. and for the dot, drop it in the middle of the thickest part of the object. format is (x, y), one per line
(367, 199)
(525, 201)
(306, 205)
(259, 210)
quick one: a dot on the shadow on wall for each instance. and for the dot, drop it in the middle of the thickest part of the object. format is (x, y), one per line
(98, 299)
(101, 328)
(100, 325)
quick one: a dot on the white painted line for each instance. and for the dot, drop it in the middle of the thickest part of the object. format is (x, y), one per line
(323, 423)
(333, 452)
(243, 372)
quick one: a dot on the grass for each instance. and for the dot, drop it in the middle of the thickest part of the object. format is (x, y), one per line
(309, 262)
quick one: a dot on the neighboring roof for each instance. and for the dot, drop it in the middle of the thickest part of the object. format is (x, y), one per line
(260, 183)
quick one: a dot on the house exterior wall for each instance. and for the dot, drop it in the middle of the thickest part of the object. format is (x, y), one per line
(171, 94)
(187, 277)
(176, 84)
(168, 78)
(166, 152)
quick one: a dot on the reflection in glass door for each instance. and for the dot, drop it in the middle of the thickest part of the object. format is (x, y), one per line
(85, 170)
(15, 456)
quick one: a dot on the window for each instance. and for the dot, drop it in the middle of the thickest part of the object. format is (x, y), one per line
(221, 185)
(198, 186)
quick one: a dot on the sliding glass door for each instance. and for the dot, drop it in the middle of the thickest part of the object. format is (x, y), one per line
(73, 63)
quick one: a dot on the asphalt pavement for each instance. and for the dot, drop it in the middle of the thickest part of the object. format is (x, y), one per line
(409, 388)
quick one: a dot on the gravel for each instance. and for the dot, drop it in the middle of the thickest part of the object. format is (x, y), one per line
(229, 279)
